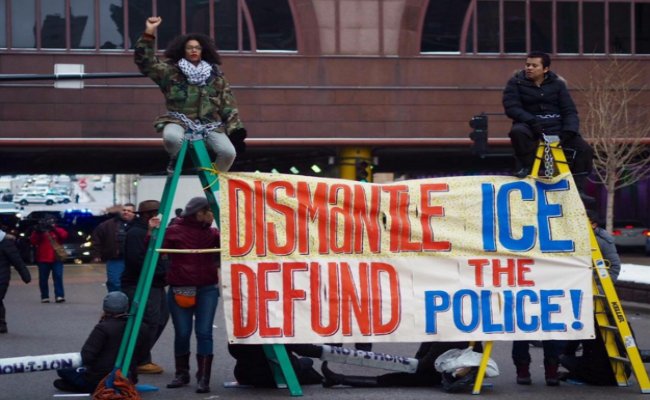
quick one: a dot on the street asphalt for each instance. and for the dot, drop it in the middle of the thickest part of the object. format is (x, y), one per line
(41, 329)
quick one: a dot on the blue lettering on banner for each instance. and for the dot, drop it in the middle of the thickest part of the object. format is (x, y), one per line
(489, 235)
(545, 212)
(479, 312)
(527, 240)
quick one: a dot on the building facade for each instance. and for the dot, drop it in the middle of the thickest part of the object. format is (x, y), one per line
(402, 77)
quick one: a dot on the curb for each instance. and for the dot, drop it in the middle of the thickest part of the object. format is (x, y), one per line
(638, 308)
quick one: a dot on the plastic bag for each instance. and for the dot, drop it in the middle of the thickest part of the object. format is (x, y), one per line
(453, 359)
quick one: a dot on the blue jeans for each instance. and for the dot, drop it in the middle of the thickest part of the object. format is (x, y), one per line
(552, 349)
(114, 269)
(207, 299)
(76, 379)
(44, 269)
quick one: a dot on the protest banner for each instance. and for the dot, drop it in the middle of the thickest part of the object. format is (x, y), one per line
(315, 260)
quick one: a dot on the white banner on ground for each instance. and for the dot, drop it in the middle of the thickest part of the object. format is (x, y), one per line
(50, 362)
(312, 260)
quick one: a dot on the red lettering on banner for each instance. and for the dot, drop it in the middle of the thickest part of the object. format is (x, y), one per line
(289, 218)
(338, 213)
(405, 225)
(309, 210)
(376, 269)
(290, 294)
(333, 296)
(241, 328)
(427, 212)
(350, 303)
(237, 188)
(478, 270)
(357, 300)
(393, 192)
(366, 219)
(515, 271)
(266, 295)
(521, 270)
(260, 217)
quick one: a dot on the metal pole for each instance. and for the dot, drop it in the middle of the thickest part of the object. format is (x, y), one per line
(59, 77)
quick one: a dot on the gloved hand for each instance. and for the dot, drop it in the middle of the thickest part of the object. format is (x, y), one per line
(566, 136)
(26, 277)
(237, 138)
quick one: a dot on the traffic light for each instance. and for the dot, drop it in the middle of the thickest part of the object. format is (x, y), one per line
(480, 134)
(362, 170)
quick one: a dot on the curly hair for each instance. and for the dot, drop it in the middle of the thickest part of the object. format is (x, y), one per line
(176, 49)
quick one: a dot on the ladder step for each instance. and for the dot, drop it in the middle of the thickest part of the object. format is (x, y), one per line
(620, 359)
(600, 296)
(609, 328)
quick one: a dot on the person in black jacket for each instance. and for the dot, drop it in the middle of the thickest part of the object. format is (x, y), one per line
(538, 102)
(156, 314)
(100, 351)
(9, 255)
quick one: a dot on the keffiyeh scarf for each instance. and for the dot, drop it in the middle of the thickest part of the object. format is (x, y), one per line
(195, 75)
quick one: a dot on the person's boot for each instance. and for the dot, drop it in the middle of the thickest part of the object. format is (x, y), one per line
(204, 372)
(523, 372)
(645, 355)
(333, 379)
(524, 172)
(3, 322)
(182, 375)
(550, 367)
(580, 181)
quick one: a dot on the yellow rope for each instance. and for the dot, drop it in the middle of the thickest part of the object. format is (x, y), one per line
(213, 171)
(188, 251)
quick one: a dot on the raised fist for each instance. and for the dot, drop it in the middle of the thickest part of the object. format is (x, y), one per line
(152, 24)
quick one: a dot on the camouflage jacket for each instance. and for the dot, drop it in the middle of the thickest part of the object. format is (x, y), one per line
(213, 102)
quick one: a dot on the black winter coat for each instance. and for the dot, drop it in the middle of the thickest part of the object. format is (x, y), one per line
(99, 353)
(9, 255)
(525, 102)
(135, 251)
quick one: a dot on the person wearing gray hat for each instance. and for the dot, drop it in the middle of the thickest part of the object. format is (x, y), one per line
(193, 294)
(99, 353)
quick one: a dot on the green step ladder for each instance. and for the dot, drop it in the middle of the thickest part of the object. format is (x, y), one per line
(276, 353)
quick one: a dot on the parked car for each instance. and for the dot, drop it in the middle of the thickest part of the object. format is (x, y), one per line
(98, 185)
(60, 198)
(7, 197)
(631, 234)
(35, 198)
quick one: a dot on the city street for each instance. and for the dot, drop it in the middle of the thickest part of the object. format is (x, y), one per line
(40, 329)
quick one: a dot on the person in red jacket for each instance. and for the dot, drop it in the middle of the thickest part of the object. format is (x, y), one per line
(46, 259)
(193, 294)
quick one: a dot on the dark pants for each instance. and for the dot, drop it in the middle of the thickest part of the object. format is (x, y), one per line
(44, 269)
(3, 292)
(76, 380)
(155, 315)
(525, 144)
(552, 350)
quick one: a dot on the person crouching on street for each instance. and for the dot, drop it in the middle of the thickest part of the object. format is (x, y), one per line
(100, 351)
(193, 293)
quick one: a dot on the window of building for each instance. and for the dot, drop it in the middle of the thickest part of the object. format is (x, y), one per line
(488, 27)
(23, 35)
(82, 24)
(642, 28)
(552, 26)
(3, 25)
(514, 26)
(541, 26)
(53, 24)
(568, 23)
(236, 25)
(273, 23)
(443, 25)
(619, 28)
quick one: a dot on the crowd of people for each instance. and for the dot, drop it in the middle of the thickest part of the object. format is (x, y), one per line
(185, 286)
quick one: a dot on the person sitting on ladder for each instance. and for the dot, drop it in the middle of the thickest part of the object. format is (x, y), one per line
(538, 102)
(198, 96)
